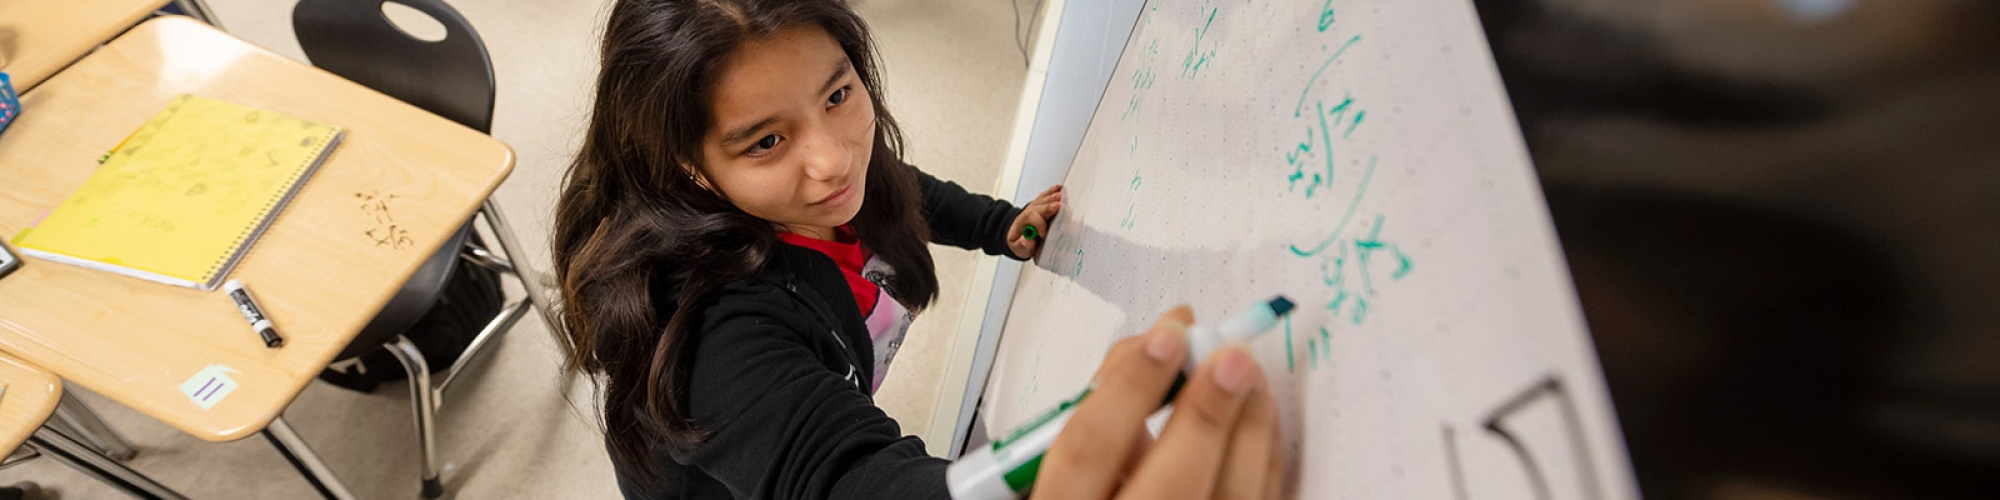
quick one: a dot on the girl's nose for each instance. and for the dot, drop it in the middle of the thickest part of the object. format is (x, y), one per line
(826, 157)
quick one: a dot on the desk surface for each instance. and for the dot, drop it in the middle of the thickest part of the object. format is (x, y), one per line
(317, 271)
(31, 396)
(39, 37)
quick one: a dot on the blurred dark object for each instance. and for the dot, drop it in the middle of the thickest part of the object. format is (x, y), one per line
(25, 490)
(1784, 222)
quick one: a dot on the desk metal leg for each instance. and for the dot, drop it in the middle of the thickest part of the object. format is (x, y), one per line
(301, 456)
(424, 398)
(531, 280)
(91, 429)
(75, 454)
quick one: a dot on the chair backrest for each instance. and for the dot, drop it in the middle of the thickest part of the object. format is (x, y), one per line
(452, 77)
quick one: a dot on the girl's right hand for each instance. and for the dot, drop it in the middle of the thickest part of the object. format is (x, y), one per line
(1223, 440)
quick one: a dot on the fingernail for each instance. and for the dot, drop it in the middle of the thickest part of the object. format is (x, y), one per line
(1165, 342)
(1234, 371)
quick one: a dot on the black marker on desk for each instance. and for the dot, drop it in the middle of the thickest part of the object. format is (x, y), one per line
(258, 322)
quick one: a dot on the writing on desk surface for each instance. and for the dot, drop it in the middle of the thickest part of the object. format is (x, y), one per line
(383, 230)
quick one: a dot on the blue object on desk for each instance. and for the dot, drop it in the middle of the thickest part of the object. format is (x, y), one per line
(10, 103)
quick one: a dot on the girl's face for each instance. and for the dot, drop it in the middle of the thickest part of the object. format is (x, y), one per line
(792, 134)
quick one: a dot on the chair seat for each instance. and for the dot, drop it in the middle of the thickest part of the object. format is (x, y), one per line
(410, 303)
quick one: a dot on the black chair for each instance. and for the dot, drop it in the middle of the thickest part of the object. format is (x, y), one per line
(452, 78)
(197, 9)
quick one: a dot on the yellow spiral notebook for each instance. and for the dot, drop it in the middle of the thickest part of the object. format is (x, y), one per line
(184, 197)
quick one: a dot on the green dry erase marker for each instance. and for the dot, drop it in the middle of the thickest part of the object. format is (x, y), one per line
(1029, 233)
(1006, 469)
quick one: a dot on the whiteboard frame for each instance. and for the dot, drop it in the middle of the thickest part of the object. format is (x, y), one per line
(1077, 50)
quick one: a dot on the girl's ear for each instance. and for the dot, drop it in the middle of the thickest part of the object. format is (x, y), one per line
(694, 174)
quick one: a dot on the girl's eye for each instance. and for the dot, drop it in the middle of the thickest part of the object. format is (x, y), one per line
(764, 145)
(838, 97)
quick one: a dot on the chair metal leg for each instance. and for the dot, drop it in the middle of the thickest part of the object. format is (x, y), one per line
(509, 314)
(301, 456)
(480, 256)
(531, 280)
(75, 454)
(424, 399)
(198, 9)
(90, 429)
(20, 454)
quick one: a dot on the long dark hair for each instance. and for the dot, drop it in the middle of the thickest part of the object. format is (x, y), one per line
(633, 222)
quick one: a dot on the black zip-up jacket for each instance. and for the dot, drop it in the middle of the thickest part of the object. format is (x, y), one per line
(780, 379)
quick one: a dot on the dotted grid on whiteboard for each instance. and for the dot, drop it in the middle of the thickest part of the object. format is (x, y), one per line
(1360, 158)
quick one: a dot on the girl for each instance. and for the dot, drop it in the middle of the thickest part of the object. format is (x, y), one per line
(740, 248)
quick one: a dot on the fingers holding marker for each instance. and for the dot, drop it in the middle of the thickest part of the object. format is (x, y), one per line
(1091, 455)
(1253, 445)
(1029, 228)
(1045, 205)
(1093, 445)
(1051, 202)
(1049, 210)
(1274, 467)
(1024, 245)
(1188, 456)
(1025, 234)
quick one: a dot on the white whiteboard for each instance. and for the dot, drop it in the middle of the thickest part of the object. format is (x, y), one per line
(1359, 157)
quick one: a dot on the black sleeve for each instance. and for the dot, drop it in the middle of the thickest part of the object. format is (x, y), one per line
(783, 425)
(966, 220)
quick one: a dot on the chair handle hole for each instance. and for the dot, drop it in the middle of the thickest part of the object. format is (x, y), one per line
(413, 22)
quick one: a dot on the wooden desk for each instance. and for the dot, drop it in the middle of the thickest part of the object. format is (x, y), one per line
(39, 37)
(31, 397)
(33, 394)
(316, 271)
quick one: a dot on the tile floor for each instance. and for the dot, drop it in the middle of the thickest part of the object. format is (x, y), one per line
(514, 429)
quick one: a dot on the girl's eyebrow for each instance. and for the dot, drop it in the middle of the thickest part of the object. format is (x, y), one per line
(840, 70)
(742, 133)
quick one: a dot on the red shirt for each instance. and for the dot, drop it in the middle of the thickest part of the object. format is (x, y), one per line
(847, 253)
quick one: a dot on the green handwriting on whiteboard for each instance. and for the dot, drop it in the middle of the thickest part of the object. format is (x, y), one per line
(1130, 221)
(1325, 16)
(1353, 204)
(1350, 267)
(1142, 81)
(1324, 137)
(1300, 107)
(1198, 56)
(1350, 274)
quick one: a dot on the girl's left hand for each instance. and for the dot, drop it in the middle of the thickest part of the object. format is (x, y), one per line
(1038, 213)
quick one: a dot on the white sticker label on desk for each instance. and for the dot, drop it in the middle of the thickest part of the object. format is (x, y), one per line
(208, 386)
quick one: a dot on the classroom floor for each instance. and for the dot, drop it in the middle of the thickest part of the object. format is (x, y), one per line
(512, 429)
